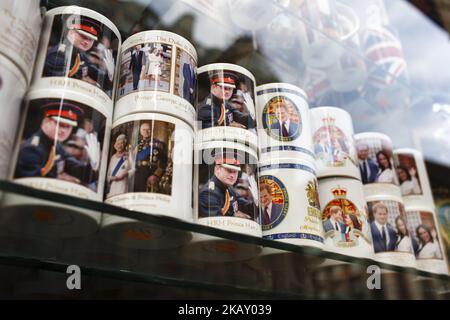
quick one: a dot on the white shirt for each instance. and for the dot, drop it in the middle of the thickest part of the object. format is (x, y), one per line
(269, 210)
(430, 250)
(286, 124)
(380, 229)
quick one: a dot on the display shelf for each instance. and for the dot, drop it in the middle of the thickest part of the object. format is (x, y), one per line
(55, 268)
(296, 274)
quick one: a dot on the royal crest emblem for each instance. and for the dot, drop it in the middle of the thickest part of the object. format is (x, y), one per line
(347, 218)
(331, 145)
(312, 194)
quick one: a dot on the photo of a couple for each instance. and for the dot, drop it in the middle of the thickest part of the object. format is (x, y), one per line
(145, 67)
(332, 146)
(343, 223)
(375, 164)
(389, 228)
(141, 158)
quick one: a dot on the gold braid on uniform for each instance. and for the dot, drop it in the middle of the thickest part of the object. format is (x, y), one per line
(226, 206)
(222, 115)
(50, 162)
(76, 66)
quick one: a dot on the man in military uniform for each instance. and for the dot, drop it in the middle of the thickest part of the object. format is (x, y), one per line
(150, 161)
(70, 58)
(43, 155)
(218, 198)
(216, 109)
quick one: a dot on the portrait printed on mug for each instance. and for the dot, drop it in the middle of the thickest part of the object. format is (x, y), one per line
(333, 148)
(423, 230)
(228, 184)
(375, 161)
(145, 67)
(345, 221)
(274, 201)
(389, 227)
(61, 139)
(407, 174)
(140, 158)
(185, 76)
(226, 98)
(281, 119)
(82, 48)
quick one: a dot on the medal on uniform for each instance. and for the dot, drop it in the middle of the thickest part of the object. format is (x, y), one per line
(235, 205)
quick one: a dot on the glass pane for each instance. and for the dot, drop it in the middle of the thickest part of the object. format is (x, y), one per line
(362, 56)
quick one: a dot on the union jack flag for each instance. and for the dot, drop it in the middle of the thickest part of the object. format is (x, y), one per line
(384, 50)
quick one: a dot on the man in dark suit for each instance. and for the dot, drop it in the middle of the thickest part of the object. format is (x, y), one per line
(190, 79)
(334, 221)
(323, 148)
(284, 127)
(270, 210)
(136, 65)
(367, 167)
(383, 235)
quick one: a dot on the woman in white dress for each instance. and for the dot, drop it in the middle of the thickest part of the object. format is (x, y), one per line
(339, 151)
(408, 183)
(118, 168)
(404, 242)
(155, 64)
(385, 174)
(429, 247)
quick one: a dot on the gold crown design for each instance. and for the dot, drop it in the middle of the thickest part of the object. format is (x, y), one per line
(312, 194)
(339, 192)
(277, 100)
(328, 121)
